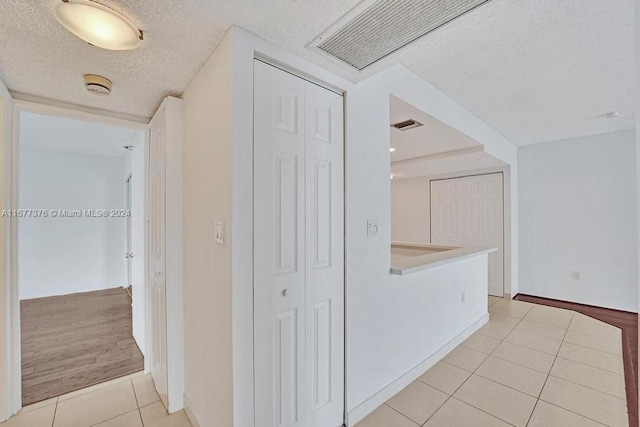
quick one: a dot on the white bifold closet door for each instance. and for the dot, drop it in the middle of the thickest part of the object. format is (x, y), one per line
(157, 255)
(469, 211)
(298, 252)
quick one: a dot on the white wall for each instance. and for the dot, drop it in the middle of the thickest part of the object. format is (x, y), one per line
(578, 212)
(373, 295)
(218, 185)
(207, 266)
(369, 285)
(410, 210)
(404, 322)
(58, 256)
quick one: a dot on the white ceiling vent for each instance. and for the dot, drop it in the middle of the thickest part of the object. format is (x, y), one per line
(386, 26)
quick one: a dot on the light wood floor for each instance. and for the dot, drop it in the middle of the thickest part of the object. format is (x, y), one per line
(74, 341)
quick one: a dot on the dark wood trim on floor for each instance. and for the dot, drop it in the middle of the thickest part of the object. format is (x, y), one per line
(624, 320)
(74, 341)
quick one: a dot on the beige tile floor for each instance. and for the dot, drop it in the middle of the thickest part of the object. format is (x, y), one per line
(531, 365)
(130, 401)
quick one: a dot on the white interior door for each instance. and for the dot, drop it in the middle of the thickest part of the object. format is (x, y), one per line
(324, 214)
(157, 254)
(484, 224)
(447, 206)
(298, 252)
(469, 211)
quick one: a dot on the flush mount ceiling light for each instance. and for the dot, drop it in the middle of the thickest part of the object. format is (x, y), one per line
(98, 25)
(392, 149)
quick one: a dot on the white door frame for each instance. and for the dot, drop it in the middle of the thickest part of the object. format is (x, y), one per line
(321, 83)
(129, 190)
(174, 290)
(13, 370)
(8, 405)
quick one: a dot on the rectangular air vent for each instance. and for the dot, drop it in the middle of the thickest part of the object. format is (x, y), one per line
(407, 124)
(386, 26)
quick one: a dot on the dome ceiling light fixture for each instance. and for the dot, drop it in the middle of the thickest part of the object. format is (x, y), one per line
(98, 25)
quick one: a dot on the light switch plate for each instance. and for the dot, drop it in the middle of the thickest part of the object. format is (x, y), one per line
(372, 228)
(219, 232)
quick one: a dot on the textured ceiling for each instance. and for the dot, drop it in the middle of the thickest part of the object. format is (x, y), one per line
(74, 136)
(39, 57)
(535, 70)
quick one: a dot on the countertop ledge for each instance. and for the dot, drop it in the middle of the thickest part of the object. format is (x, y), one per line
(418, 263)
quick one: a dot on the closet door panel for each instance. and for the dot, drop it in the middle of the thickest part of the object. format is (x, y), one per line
(279, 248)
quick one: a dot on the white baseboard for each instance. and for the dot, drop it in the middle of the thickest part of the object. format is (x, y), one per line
(370, 405)
(189, 412)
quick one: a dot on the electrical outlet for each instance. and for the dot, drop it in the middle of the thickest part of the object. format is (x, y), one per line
(576, 275)
(372, 228)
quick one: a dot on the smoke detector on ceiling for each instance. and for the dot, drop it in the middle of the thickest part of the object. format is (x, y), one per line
(97, 85)
(407, 124)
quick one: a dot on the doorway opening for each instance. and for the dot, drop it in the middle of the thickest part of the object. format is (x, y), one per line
(80, 257)
(446, 191)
